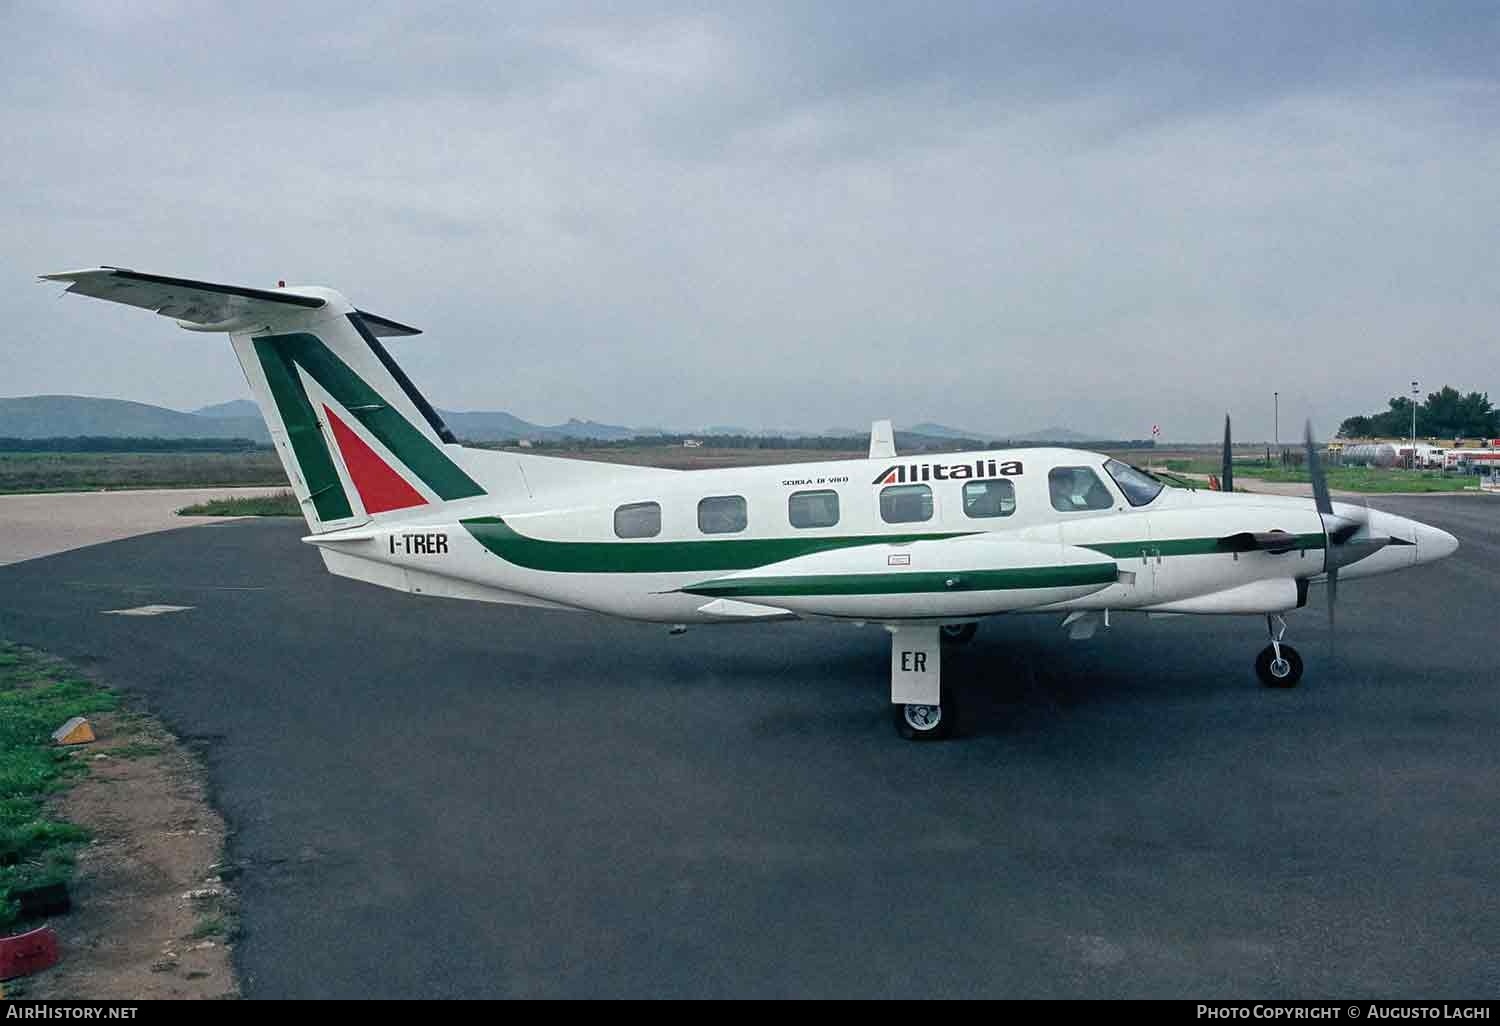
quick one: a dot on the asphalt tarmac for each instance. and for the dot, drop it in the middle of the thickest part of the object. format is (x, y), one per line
(438, 799)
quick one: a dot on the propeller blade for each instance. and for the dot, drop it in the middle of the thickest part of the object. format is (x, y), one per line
(1336, 537)
(1227, 478)
(1333, 598)
(1319, 481)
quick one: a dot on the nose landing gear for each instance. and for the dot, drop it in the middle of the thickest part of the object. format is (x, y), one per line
(1278, 665)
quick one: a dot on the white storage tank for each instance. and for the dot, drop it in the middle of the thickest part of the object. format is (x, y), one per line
(1370, 454)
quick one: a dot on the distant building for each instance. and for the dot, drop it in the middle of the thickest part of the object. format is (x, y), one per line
(691, 443)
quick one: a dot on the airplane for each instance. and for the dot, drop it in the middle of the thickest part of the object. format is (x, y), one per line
(924, 545)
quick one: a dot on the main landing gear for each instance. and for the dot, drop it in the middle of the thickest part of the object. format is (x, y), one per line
(959, 633)
(923, 722)
(918, 700)
(1278, 665)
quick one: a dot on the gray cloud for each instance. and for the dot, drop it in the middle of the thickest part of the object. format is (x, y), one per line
(997, 216)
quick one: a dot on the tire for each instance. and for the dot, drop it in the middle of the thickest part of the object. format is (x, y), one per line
(958, 633)
(1279, 676)
(924, 722)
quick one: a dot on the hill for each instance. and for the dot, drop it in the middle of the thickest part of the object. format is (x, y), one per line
(54, 416)
(931, 430)
(57, 416)
(1055, 434)
(233, 408)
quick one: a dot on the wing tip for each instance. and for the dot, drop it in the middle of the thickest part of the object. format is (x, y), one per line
(72, 276)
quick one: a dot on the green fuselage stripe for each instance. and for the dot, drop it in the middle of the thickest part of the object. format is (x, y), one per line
(646, 557)
(911, 583)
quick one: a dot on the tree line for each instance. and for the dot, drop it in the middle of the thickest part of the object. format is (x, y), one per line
(1444, 414)
(110, 443)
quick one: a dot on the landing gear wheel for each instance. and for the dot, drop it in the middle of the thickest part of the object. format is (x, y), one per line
(1284, 672)
(924, 722)
(959, 633)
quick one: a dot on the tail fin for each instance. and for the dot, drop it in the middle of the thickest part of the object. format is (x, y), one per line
(355, 436)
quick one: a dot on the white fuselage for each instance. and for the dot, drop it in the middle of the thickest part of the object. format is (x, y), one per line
(559, 546)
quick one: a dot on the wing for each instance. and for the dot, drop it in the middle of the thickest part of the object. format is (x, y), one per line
(896, 579)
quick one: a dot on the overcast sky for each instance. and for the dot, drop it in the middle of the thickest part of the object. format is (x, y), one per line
(999, 216)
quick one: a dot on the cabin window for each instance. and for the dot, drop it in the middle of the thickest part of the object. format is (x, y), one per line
(638, 520)
(813, 509)
(722, 514)
(905, 504)
(1139, 486)
(989, 499)
(1077, 488)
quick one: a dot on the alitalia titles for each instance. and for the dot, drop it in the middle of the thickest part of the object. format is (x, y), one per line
(909, 473)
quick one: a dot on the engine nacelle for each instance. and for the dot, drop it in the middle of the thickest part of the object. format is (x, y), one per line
(1277, 595)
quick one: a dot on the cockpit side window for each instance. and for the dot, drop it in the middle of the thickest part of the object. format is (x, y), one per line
(1077, 488)
(1139, 487)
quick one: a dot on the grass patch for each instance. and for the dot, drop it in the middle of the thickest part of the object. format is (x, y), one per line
(278, 504)
(1368, 480)
(1371, 480)
(37, 695)
(212, 925)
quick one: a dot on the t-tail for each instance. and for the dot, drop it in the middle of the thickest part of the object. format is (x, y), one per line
(357, 439)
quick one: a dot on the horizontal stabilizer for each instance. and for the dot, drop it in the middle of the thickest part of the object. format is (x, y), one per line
(206, 305)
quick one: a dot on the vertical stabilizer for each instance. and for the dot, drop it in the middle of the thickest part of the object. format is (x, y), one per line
(355, 436)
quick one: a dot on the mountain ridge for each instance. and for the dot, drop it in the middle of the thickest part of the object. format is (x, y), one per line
(51, 416)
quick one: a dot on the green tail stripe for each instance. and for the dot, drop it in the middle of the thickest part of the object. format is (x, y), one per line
(912, 583)
(393, 430)
(661, 557)
(313, 459)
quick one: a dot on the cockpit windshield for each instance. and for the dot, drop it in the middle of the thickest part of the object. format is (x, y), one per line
(1139, 487)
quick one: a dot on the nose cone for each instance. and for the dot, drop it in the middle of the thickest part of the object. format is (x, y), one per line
(1434, 544)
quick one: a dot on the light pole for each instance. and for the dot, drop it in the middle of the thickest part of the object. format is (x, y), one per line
(1414, 393)
(1276, 423)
